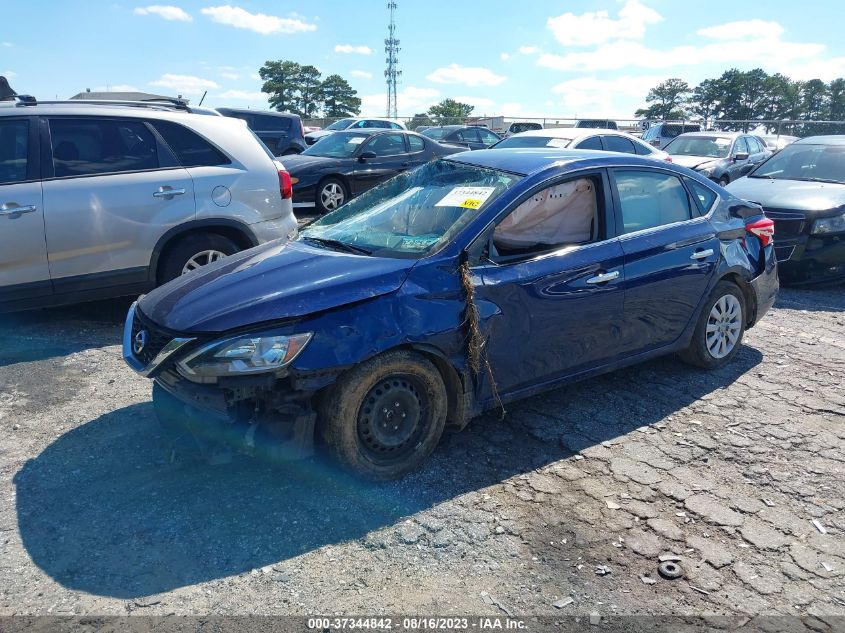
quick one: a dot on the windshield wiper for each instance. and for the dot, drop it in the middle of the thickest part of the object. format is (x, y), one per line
(830, 180)
(338, 245)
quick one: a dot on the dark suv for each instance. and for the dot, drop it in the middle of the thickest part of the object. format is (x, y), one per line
(281, 132)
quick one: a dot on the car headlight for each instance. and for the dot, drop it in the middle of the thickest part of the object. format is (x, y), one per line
(706, 170)
(246, 354)
(823, 226)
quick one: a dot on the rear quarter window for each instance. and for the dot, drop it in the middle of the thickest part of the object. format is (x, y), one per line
(190, 148)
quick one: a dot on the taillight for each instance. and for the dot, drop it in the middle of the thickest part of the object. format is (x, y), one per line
(764, 229)
(668, 159)
(285, 185)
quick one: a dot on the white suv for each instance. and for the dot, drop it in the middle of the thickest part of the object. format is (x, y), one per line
(104, 200)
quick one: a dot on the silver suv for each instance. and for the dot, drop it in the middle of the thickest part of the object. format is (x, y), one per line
(105, 200)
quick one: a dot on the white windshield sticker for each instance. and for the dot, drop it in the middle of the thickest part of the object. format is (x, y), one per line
(557, 142)
(357, 140)
(723, 141)
(466, 197)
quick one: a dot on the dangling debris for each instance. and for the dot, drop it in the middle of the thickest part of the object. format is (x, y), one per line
(6, 92)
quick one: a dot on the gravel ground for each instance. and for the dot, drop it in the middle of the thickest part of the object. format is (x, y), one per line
(571, 498)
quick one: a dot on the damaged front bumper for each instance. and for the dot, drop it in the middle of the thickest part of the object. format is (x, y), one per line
(812, 259)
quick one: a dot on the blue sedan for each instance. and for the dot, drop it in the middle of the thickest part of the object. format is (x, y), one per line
(449, 290)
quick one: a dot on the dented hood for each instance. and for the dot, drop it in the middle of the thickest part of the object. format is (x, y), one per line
(693, 162)
(279, 280)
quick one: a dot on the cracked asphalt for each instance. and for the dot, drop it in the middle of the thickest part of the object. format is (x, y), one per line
(572, 498)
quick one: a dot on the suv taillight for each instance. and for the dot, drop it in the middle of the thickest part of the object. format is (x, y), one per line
(764, 229)
(285, 185)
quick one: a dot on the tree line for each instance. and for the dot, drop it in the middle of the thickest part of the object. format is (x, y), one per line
(301, 89)
(751, 95)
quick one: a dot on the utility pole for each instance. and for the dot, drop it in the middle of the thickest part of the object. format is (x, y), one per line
(392, 73)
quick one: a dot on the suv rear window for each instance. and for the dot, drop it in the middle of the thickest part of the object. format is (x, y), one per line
(190, 148)
(516, 128)
(269, 123)
(89, 146)
(671, 130)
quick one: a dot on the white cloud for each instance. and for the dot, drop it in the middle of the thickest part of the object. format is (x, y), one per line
(255, 77)
(771, 54)
(7, 44)
(363, 74)
(754, 29)
(824, 69)
(9, 74)
(504, 56)
(596, 27)
(409, 101)
(349, 48)
(593, 97)
(185, 84)
(244, 95)
(529, 50)
(470, 76)
(166, 12)
(258, 22)
(230, 75)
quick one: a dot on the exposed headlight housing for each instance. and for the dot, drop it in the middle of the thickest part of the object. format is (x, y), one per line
(247, 354)
(706, 170)
(823, 226)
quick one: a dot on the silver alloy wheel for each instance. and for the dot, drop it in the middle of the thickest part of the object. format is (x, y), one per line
(332, 196)
(203, 258)
(723, 326)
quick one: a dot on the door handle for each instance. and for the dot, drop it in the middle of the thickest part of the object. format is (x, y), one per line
(12, 208)
(702, 254)
(167, 192)
(604, 277)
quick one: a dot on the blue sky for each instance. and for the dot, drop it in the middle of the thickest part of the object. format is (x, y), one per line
(537, 58)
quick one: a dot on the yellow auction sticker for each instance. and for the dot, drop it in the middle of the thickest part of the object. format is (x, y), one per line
(471, 203)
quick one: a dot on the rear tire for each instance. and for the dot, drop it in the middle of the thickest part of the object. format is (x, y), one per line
(200, 248)
(330, 194)
(724, 181)
(720, 328)
(385, 416)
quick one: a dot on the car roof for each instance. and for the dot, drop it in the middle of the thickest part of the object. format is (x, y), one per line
(829, 139)
(81, 107)
(570, 132)
(529, 161)
(722, 134)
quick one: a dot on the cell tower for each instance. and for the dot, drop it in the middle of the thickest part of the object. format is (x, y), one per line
(392, 73)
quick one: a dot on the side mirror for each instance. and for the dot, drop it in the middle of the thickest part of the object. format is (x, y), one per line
(655, 142)
(741, 156)
(364, 156)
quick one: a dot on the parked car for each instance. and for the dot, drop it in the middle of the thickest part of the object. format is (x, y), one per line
(721, 156)
(422, 128)
(469, 136)
(583, 138)
(375, 328)
(802, 188)
(353, 124)
(282, 132)
(778, 142)
(661, 134)
(101, 201)
(518, 127)
(599, 124)
(346, 164)
(311, 128)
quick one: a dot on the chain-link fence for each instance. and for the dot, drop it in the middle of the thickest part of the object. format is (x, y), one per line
(510, 124)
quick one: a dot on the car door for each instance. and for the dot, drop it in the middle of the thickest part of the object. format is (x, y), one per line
(736, 167)
(113, 190)
(554, 309)
(391, 157)
(24, 268)
(671, 254)
(418, 152)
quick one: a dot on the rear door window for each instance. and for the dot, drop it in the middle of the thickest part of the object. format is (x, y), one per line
(416, 143)
(468, 136)
(594, 142)
(650, 199)
(14, 149)
(704, 196)
(487, 137)
(619, 144)
(190, 148)
(90, 146)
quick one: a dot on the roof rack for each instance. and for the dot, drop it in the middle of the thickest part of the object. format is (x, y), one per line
(169, 104)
